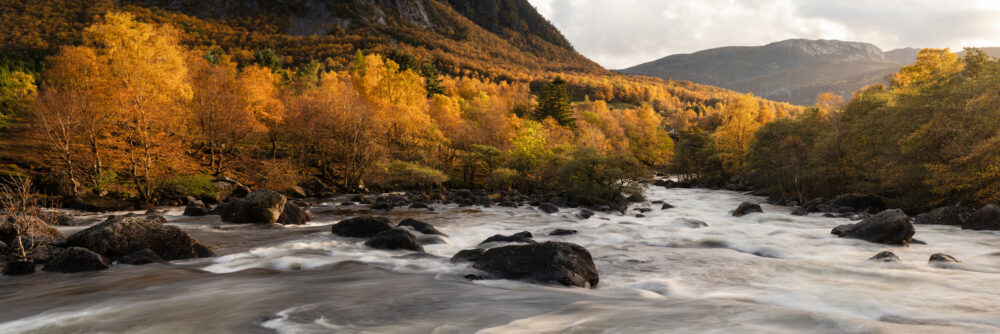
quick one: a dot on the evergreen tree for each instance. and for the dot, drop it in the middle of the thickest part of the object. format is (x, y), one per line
(554, 102)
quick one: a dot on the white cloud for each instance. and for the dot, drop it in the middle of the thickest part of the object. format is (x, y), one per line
(623, 33)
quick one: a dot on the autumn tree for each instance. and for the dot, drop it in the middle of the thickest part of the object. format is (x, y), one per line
(147, 86)
(739, 122)
(222, 116)
(259, 95)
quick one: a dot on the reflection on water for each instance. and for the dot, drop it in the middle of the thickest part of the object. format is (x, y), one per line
(763, 273)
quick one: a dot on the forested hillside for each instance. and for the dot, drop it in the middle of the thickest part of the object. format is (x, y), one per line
(927, 139)
(146, 101)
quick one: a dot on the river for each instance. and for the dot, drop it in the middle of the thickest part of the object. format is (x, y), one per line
(662, 273)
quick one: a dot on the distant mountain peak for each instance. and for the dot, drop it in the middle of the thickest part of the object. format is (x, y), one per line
(793, 70)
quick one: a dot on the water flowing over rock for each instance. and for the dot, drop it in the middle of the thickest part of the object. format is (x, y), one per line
(986, 218)
(887, 227)
(120, 236)
(550, 262)
(362, 227)
(747, 208)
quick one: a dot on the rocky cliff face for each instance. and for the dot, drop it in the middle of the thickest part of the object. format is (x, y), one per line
(792, 71)
(463, 35)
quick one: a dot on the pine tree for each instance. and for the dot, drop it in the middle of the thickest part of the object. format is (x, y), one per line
(554, 102)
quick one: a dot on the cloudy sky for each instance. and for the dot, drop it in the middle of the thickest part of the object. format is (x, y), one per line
(622, 33)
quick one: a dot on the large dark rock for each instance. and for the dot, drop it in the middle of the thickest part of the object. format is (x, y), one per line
(76, 259)
(548, 208)
(800, 211)
(362, 227)
(196, 208)
(948, 215)
(120, 236)
(520, 237)
(746, 208)
(468, 255)
(420, 226)
(145, 256)
(560, 231)
(666, 206)
(585, 214)
(887, 227)
(885, 256)
(941, 257)
(293, 214)
(860, 202)
(986, 218)
(19, 267)
(550, 262)
(395, 239)
(58, 218)
(28, 230)
(259, 207)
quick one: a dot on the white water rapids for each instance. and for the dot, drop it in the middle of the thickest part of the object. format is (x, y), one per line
(761, 273)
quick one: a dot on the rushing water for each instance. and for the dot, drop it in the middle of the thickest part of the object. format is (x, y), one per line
(762, 273)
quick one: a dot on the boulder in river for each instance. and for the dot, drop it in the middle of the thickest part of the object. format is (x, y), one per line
(145, 256)
(887, 227)
(120, 236)
(76, 259)
(986, 218)
(800, 211)
(948, 215)
(362, 227)
(420, 226)
(941, 257)
(548, 208)
(885, 256)
(468, 255)
(860, 202)
(395, 239)
(666, 206)
(520, 237)
(585, 214)
(31, 230)
(746, 208)
(19, 267)
(259, 207)
(294, 214)
(560, 231)
(196, 208)
(550, 262)
(58, 218)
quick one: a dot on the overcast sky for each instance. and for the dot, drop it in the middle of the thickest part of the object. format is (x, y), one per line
(623, 33)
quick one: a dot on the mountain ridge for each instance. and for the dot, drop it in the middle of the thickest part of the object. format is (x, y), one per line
(794, 70)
